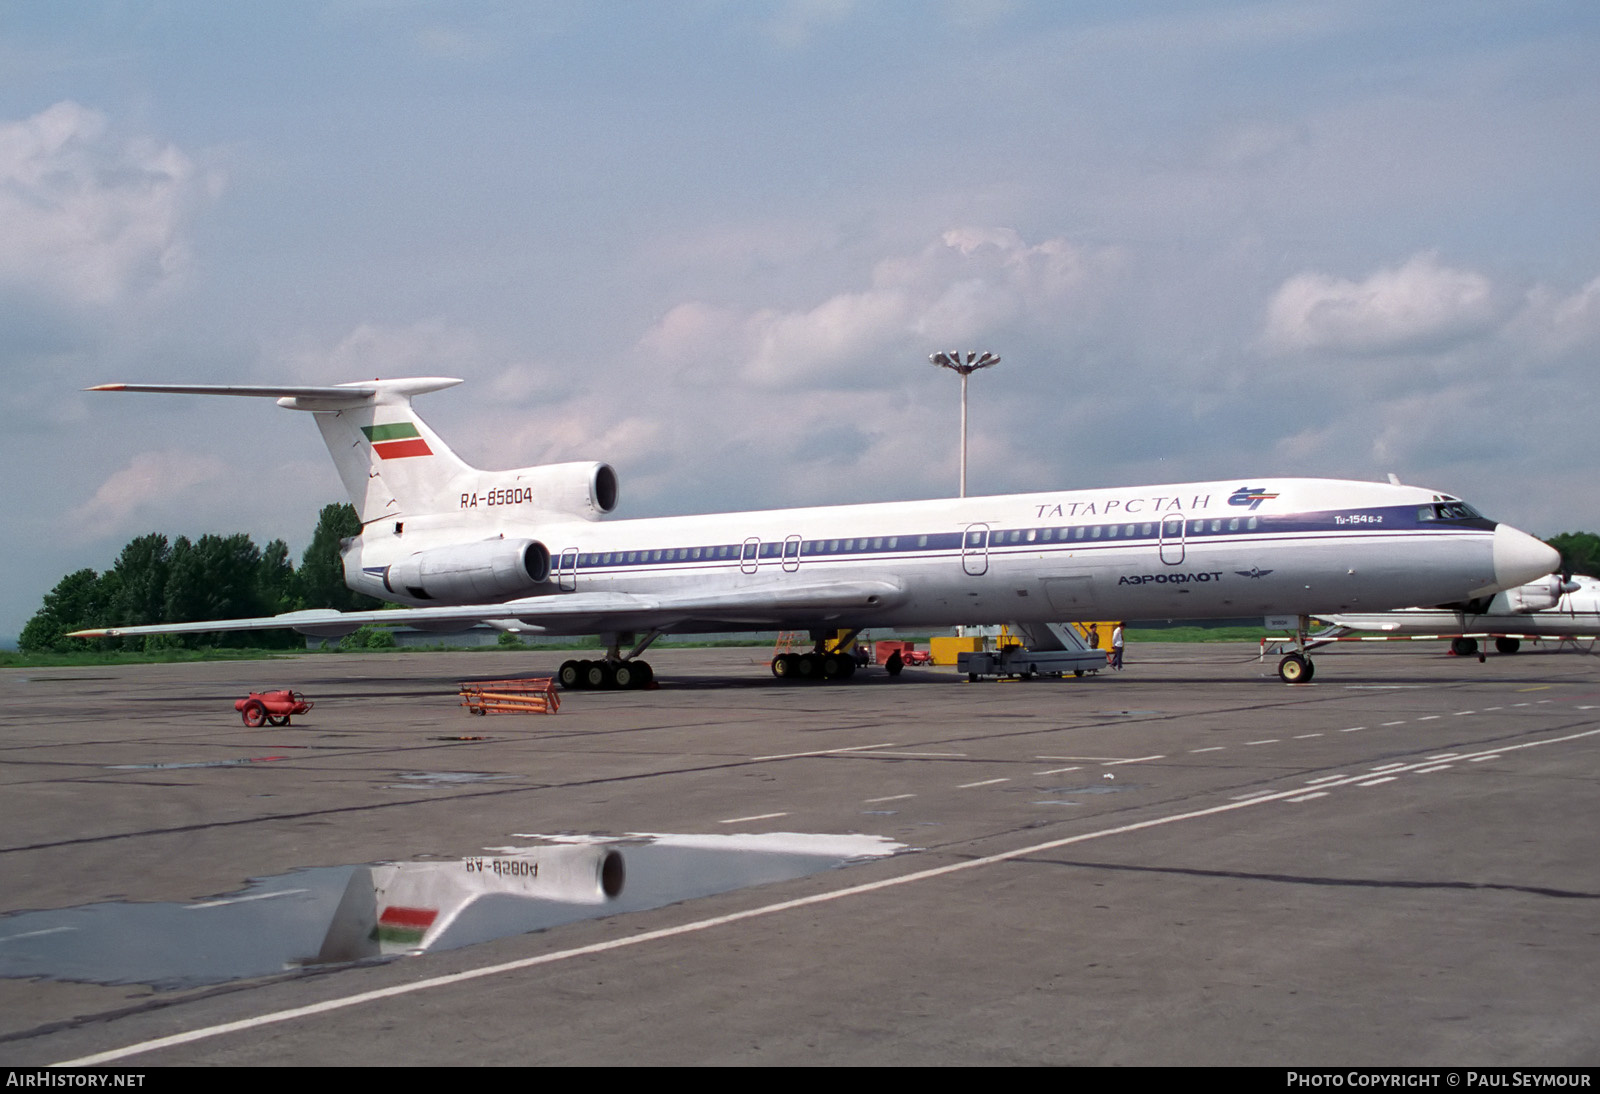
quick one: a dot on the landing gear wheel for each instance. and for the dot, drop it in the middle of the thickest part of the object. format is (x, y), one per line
(1463, 647)
(783, 666)
(847, 667)
(644, 675)
(1507, 645)
(598, 675)
(625, 675)
(254, 714)
(832, 666)
(1295, 669)
(808, 666)
(569, 675)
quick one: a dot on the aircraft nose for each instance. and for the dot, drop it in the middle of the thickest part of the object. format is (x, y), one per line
(1519, 558)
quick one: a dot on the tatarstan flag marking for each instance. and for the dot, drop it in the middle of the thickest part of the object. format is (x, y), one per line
(404, 926)
(396, 440)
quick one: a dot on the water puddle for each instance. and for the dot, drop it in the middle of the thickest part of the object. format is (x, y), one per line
(447, 778)
(197, 763)
(339, 914)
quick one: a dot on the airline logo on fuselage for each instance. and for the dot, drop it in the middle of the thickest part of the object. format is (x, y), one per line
(1251, 496)
(396, 440)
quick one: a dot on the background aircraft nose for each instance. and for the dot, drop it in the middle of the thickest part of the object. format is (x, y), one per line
(1519, 558)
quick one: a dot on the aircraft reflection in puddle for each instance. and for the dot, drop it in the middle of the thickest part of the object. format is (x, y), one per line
(341, 914)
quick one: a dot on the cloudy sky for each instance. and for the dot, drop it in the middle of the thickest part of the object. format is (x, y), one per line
(714, 242)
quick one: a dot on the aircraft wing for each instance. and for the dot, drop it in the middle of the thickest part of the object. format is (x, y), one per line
(755, 607)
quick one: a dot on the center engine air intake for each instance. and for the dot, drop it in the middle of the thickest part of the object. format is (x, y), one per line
(471, 573)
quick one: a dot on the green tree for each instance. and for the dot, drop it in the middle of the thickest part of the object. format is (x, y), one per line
(136, 586)
(77, 601)
(1580, 552)
(320, 579)
(215, 577)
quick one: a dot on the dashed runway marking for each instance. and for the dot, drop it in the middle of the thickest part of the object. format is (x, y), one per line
(820, 752)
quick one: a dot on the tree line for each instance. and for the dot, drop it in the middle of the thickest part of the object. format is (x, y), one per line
(1580, 552)
(213, 577)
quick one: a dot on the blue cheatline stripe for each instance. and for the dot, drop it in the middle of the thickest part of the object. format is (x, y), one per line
(1341, 524)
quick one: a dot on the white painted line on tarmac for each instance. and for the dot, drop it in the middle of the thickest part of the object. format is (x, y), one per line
(1480, 759)
(1399, 723)
(1087, 759)
(1378, 782)
(890, 798)
(1213, 748)
(1136, 760)
(758, 816)
(1428, 717)
(878, 751)
(246, 899)
(327, 1005)
(820, 752)
(35, 934)
(1268, 741)
(982, 782)
(1386, 767)
(1308, 797)
(1435, 767)
(1459, 713)
(1444, 755)
(1058, 771)
(1353, 729)
(1325, 779)
(1306, 736)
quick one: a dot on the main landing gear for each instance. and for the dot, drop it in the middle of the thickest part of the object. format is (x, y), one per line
(605, 675)
(822, 663)
(614, 672)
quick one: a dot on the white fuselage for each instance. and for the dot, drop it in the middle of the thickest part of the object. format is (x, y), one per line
(1198, 550)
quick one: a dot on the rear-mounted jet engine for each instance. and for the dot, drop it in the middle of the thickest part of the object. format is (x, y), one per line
(471, 573)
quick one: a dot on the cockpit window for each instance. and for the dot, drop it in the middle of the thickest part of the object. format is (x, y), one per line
(1448, 510)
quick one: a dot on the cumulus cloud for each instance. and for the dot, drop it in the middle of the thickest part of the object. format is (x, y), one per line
(88, 217)
(1419, 305)
(1552, 326)
(149, 479)
(967, 284)
(372, 349)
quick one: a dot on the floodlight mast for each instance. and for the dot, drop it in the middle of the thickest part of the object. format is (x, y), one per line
(973, 363)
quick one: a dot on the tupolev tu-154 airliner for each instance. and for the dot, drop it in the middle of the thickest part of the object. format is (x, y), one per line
(526, 551)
